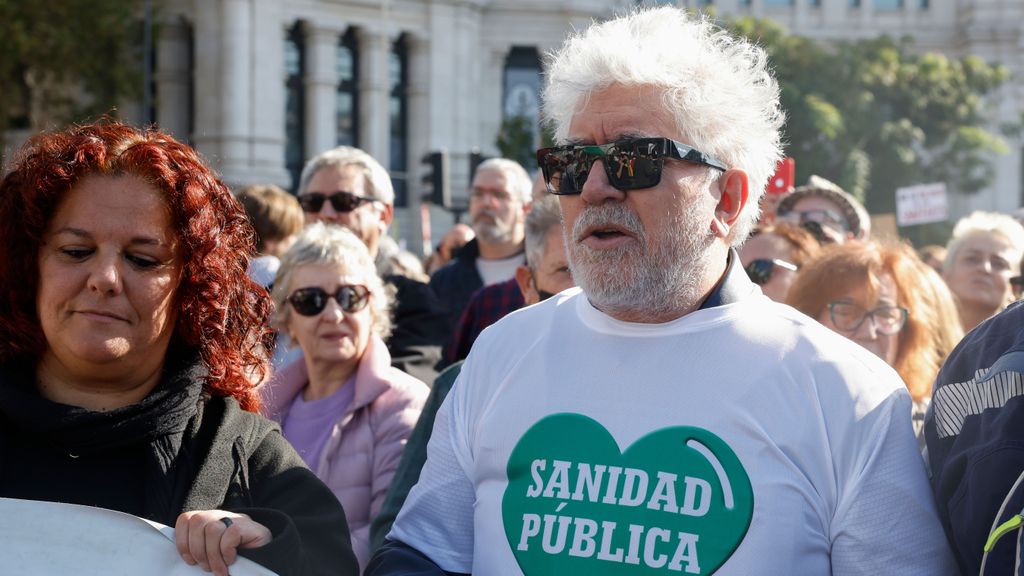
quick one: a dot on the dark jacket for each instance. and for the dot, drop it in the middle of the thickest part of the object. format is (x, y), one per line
(175, 451)
(419, 330)
(975, 437)
(457, 281)
(488, 305)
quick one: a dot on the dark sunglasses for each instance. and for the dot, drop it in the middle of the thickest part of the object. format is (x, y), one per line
(760, 270)
(822, 217)
(631, 164)
(312, 301)
(340, 201)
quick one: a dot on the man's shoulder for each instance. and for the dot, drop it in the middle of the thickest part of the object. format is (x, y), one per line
(803, 348)
(462, 259)
(412, 294)
(528, 317)
(505, 295)
(454, 271)
(982, 347)
(973, 435)
(983, 375)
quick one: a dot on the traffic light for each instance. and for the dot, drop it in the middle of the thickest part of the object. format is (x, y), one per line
(438, 178)
(475, 159)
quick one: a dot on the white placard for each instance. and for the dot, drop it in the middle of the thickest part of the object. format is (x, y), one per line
(48, 538)
(922, 204)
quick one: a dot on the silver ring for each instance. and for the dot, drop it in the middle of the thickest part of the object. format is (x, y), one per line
(227, 521)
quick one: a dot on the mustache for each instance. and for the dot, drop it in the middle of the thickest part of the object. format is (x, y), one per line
(485, 212)
(614, 214)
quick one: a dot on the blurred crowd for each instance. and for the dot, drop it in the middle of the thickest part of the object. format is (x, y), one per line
(272, 375)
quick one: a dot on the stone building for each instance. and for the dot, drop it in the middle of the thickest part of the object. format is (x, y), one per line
(258, 86)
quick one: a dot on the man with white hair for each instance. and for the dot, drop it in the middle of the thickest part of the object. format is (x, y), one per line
(666, 417)
(498, 202)
(348, 187)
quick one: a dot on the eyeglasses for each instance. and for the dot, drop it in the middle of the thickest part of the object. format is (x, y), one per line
(340, 201)
(760, 270)
(822, 217)
(848, 317)
(312, 301)
(631, 164)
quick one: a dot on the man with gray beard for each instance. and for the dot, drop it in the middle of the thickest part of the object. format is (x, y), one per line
(498, 202)
(666, 417)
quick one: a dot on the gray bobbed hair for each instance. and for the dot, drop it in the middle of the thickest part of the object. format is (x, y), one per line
(320, 244)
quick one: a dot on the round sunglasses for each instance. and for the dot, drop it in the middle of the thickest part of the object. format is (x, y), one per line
(340, 201)
(312, 300)
(760, 270)
(630, 164)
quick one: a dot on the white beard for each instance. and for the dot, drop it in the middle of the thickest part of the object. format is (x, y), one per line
(493, 231)
(653, 276)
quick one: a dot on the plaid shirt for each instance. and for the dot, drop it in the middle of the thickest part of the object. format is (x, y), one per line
(487, 305)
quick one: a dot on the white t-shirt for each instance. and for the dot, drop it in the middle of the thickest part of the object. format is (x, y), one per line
(499, 270)
(741, 439)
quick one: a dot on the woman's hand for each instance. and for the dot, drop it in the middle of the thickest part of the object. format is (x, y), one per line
(211, 538)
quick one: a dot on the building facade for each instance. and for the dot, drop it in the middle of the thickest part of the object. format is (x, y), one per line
(259, 86)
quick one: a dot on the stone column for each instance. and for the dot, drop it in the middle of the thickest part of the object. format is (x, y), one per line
(867, 13)
(321, 84)
(373, 86)
(727, 7)
(268, 96)
(492, 98)
(173, 75)
(910, 8)
(417, 93)
(757, 8)
(800, 14)
(224, 88)
(834, 12)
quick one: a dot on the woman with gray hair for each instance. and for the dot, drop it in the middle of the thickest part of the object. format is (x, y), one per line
(344, 408)
(981, 257)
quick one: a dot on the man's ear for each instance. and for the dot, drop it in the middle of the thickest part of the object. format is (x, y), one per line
(387, 214)
(524, 278)
(734, 191)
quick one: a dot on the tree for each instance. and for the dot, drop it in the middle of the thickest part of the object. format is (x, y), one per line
(63, 61)
(873, 116)
(516, 140)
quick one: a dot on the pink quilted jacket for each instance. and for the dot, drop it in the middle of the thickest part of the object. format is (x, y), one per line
(366, 444)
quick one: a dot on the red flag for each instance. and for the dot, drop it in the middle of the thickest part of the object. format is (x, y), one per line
(782, 181)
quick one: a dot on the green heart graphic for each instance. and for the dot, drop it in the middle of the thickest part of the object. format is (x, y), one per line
(677, 501)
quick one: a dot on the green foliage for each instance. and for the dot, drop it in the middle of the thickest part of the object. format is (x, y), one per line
(62, 61)
(873, 116)
(516, 141)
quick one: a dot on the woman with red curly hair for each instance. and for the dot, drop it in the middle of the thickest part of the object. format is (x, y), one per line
(130, 338)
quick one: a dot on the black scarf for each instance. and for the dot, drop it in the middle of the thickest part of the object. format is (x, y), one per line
(159, 421)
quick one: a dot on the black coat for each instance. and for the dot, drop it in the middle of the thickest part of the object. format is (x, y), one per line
(178, 450)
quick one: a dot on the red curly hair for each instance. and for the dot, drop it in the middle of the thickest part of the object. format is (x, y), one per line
(221, 313)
